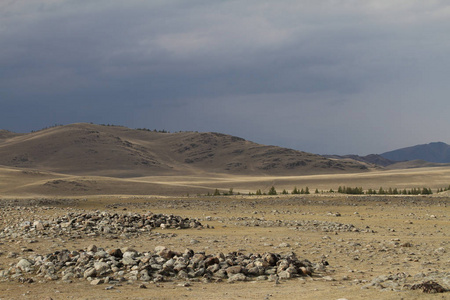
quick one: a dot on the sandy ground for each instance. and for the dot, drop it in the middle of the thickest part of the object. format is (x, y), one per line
(398, 235)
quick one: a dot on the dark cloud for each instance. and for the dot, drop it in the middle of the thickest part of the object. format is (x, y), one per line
(321, 76)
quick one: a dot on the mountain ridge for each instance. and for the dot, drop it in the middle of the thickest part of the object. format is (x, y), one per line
(436, 152)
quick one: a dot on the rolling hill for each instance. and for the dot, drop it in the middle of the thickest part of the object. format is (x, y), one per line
(116, 151)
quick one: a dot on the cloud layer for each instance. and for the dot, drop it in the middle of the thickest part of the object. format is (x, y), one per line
(330, 76)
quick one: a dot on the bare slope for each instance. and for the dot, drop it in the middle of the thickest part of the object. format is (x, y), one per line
(122, 152)
(371, 159)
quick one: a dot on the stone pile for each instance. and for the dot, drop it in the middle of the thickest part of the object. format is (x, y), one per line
(79, 224)
(301, 225)
(127, 265)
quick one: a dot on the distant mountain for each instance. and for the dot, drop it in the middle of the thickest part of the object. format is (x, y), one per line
(371, 159)
(437, 152)
(116, 151)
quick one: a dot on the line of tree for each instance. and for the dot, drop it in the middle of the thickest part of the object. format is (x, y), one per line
(443, 189)
(154, 130)
(342, 189)
(272, 191)
(230, 192)
(164, 131)
(381, 191)
(351, 191)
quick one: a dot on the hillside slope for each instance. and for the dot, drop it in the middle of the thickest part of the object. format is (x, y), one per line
(371, 159)
(437, 152)
(122, 152)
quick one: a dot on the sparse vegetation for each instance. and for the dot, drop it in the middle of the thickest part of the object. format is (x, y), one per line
(47, 127)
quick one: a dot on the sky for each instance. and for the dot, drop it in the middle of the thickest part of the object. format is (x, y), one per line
(322, 76)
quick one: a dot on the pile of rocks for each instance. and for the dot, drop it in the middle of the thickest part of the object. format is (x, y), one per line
(98, 223)
(301, 225)
(118, 265)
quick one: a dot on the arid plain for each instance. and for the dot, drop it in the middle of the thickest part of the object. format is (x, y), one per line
(359, 246)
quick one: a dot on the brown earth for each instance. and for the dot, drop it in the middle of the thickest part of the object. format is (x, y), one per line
(408, 234)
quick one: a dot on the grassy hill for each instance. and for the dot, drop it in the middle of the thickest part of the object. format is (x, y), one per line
(87, 149)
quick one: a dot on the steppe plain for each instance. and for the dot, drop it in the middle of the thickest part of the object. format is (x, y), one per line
(404, 238)
(359, 246)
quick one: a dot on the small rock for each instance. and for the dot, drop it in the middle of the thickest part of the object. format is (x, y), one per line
(24, 265)
(91, 248)
(96, 281)
(237, 277)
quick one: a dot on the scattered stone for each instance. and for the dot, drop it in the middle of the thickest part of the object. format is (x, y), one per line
(301, 225)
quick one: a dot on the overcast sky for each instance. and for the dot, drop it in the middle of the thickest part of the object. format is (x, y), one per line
(323, 76)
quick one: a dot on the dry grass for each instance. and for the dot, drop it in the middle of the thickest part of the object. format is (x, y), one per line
(17, 182)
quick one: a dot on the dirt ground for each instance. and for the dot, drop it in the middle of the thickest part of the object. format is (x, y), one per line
(402, 236)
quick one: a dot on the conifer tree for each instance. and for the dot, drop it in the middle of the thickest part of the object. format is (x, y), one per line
(272, 191)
